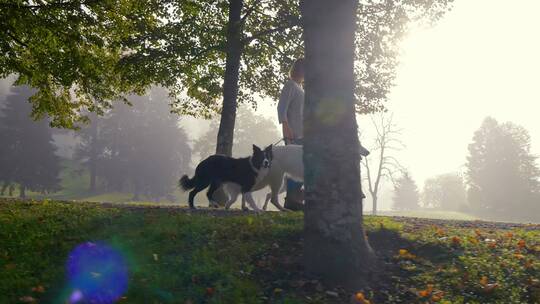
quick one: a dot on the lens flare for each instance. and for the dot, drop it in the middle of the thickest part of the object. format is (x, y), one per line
(96, 273)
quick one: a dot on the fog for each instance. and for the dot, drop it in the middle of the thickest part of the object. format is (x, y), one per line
(481, 60)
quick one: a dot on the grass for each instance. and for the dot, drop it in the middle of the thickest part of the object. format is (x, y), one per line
(173, 256)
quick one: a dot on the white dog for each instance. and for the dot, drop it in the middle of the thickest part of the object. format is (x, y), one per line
(287, 162)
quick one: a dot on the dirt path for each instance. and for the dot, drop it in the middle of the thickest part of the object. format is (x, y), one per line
(412, 221)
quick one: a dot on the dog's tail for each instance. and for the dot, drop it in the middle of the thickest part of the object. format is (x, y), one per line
(186, 183)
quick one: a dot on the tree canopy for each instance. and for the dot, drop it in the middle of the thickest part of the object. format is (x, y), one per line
(84, 54)
(70, 52)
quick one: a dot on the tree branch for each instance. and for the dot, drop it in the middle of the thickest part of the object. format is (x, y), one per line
(269, 31)
(249, 11)
(16, 39)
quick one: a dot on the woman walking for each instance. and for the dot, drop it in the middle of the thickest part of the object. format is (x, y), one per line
(291, 117)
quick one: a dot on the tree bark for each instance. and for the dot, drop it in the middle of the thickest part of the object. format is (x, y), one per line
(335, 246)
(374, 198)
(230, 82)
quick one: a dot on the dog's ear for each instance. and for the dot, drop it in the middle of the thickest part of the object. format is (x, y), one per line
(256, 149)
(268, 150)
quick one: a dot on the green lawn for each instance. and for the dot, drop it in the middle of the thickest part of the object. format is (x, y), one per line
(174, 256)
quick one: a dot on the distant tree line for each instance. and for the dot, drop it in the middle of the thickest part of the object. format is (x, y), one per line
(501, 180)
(139, 149)
(27, 152)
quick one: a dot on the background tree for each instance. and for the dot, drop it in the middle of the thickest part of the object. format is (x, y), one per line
(250, 129)
(406, 195)
(381, 164)
(502, 174)
(90, 150)
(27, 155)
(145, 150)
(335, 244)
(225, 50)
(446, 191)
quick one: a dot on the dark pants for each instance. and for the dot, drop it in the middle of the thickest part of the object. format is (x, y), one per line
(293, 200)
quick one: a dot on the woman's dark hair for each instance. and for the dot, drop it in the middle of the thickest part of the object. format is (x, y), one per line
(297, 69)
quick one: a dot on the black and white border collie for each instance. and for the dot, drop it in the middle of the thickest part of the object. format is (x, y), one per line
(238, 175)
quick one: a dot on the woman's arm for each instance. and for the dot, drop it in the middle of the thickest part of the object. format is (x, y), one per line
(283, 107)
(287, 131)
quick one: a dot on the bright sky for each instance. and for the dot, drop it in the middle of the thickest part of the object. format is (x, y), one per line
(482, 58)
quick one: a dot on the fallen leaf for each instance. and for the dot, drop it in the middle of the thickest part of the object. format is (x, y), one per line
(478, 233)
(521, 244)
(426, 292)
(456, 240)
(519, 256)
(490, 287)
(484, 281)
(27, 299)
(359, 298)
(210, 291)
(440, 232)
(39, 289)
(473, 240)
(10, 266)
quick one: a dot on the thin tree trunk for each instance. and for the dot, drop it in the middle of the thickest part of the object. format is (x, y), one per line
(374, 198)
(4, 187)
(93, 154)
(22, 191)
(230, 82)
(335, 244)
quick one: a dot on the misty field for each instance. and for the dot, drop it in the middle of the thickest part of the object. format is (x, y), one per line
(175, 256)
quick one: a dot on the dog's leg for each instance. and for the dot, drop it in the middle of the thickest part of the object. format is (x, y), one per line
(233, 192)
(251, 202)
(244, 208)
(276, 187)
(268, 198)
(192, 194)
(213, 187)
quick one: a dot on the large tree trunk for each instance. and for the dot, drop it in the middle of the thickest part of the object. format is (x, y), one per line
(335, 244)
(92, 162)
(230, 82)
